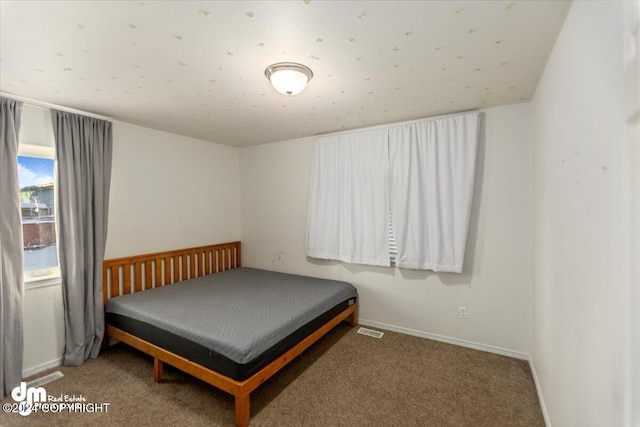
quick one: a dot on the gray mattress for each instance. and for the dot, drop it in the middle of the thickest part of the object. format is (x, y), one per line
(239, 314)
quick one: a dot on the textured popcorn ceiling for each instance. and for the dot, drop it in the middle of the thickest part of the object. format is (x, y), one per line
(197, 68)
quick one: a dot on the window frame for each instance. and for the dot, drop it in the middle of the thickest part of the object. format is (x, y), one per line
(50, 275)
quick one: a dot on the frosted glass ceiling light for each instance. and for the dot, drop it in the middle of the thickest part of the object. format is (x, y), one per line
(288, 78)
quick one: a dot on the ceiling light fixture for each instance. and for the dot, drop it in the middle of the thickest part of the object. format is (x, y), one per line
(288, 78)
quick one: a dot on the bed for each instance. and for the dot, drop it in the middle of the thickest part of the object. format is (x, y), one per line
(230, 326)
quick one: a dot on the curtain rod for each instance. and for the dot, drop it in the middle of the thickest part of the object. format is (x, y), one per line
(45, 105)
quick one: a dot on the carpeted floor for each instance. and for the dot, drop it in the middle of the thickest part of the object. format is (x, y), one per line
(346, 379)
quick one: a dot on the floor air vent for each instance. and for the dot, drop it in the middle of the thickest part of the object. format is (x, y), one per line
(46, 379)
(370, 333)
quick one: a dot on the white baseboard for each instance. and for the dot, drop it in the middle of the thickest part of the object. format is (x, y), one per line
(543, 407)
(42, 367)
(449, 340)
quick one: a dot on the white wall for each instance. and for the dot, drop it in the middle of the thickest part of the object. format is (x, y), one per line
(43, 328)
(495, 284)
(585, 220)
(167, 192)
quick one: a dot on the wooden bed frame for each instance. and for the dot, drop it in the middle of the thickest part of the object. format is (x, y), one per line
(134, 274)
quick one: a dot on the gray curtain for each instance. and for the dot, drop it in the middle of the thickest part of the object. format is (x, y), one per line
(11, 285)
(83, 152)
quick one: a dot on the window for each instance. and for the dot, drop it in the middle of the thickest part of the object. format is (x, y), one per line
(36, 171)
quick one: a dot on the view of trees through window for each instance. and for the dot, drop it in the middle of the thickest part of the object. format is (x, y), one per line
(35, 175)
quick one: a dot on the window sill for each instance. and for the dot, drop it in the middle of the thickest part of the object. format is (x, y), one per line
(42, 282)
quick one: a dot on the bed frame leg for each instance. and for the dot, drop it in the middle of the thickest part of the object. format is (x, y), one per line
(157, 370)
(242, 410)
(352, 319)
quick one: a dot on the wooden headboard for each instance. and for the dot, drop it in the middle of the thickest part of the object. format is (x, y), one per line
(127, 275)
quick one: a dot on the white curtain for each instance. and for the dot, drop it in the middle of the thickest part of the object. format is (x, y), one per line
(411, 183)
(348, 199)
(432, 169)
(11, 255)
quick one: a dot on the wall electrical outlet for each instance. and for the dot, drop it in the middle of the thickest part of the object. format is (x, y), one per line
(462, 312)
